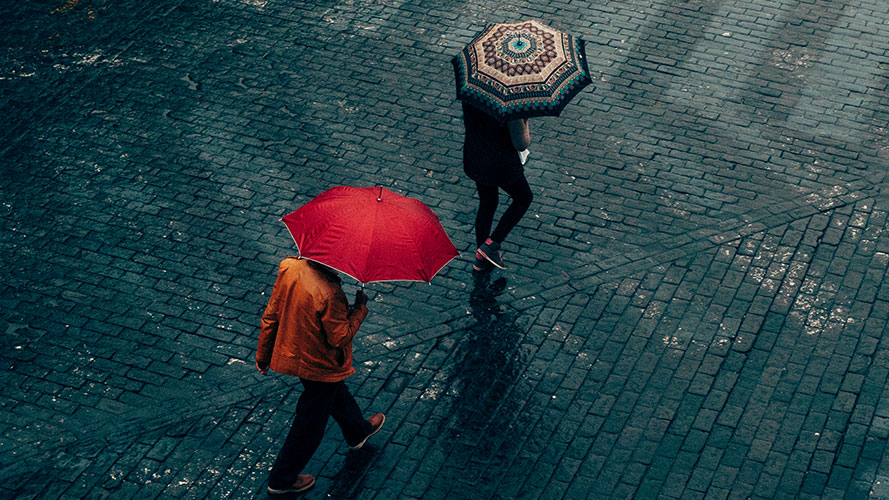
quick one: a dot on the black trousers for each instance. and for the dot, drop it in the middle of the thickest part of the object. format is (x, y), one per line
(318, 401)
(489, 199)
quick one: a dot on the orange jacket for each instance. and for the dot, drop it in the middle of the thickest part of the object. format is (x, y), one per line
(307, 327)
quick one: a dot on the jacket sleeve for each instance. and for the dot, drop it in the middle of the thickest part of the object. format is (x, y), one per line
(520, 133)
(339, 322)
(268, 329)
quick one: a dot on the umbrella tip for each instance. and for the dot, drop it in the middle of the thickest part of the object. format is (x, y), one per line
(380, 196)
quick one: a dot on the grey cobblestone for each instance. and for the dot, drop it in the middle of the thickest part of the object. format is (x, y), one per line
(695, 304)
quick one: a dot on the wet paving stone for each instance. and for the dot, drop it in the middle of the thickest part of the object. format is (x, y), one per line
(695, 304)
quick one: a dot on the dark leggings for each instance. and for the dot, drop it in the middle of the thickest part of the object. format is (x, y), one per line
(489, 200)
(318, 401)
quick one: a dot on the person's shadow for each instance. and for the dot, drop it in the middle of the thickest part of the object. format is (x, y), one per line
(483, 297)
(487, 364)
(347, 481)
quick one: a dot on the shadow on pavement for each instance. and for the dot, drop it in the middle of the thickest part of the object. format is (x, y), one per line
(487, 364)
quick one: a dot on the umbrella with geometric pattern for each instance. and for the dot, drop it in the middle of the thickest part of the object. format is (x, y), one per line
(521, 70)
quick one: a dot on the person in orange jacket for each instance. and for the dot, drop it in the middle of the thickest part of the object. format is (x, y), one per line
(307, 331)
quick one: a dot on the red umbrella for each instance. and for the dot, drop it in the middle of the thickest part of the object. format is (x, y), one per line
(371, 234)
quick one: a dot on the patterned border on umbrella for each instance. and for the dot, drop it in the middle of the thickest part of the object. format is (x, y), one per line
(526, 99)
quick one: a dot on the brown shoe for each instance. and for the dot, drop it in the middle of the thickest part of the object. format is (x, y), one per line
(376, 423)
(303, 482)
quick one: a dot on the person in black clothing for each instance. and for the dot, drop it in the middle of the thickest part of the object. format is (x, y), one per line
(492, 158)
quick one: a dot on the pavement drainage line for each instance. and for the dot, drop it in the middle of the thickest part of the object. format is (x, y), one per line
(759, 224)
(655, 253)
(165, 419)
(170, 413)
(562, 286)
(455, 318)
(167, 415)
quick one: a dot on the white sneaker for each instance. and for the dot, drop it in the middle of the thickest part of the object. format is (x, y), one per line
(523, 155)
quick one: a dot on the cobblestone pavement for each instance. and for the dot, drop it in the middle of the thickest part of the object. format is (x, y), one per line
(695, 304)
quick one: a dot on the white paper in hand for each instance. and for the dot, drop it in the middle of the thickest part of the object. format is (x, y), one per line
(523, 155)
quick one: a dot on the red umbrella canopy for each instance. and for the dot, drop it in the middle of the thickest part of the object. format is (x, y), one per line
(371, 234)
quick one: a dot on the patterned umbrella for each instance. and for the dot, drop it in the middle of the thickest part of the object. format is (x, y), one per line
(520, 70)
